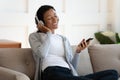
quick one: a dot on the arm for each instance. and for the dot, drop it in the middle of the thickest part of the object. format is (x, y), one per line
(82, 45)
(8, 74)
(75, 60)
(73, 56)
(39, 47)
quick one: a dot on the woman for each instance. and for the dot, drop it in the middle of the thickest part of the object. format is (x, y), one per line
(53, 53)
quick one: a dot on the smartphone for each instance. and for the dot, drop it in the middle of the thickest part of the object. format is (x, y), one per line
(89, 39)
(39, 21)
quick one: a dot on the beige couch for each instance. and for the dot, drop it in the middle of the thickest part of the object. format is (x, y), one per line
(18, 63)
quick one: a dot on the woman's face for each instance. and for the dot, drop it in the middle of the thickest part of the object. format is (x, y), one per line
(51, 19)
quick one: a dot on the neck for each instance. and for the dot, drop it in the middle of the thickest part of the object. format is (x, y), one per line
(53, 32)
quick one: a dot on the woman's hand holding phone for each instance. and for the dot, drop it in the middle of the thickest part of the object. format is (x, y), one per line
(83, 44)
(43, 28)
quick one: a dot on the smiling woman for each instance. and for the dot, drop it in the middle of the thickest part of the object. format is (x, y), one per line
(53, 52)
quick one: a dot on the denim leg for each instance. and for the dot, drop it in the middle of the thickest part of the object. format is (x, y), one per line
(104, 75)
(59, 73)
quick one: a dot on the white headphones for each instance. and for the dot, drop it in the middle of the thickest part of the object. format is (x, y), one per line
(39, 21)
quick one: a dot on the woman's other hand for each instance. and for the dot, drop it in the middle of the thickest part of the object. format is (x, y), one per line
(82, 45)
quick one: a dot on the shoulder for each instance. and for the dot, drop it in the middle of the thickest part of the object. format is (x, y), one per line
(32, 36)
(35, 34)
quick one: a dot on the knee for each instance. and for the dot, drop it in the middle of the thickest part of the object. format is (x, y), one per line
(113, 72)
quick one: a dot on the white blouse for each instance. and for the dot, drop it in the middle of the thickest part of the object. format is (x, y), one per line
(56, 55)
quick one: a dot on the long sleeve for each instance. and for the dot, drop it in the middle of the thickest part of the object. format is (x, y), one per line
(71, 55)
(40, 43)
(75, 60)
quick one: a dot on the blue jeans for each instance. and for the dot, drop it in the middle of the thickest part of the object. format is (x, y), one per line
(61, 73)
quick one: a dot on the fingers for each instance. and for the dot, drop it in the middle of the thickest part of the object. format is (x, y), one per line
(83, 44)
(43, 28)
(39, 26)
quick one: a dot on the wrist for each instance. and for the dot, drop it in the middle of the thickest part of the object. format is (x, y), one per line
(78, 50)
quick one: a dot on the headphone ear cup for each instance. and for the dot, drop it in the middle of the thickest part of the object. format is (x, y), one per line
(40, 22)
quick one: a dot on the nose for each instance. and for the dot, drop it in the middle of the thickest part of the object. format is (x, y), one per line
(55, 19)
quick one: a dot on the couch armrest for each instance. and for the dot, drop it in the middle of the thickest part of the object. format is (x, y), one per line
(8, 74)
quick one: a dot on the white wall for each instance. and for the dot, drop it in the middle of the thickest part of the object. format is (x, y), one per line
(116, 11)
(78, 18)
(14, 20)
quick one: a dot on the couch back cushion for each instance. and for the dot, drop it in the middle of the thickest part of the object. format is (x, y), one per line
(105, 57)
(19, 59)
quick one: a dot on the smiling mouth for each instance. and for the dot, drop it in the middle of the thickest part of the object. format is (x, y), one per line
(54, 23)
